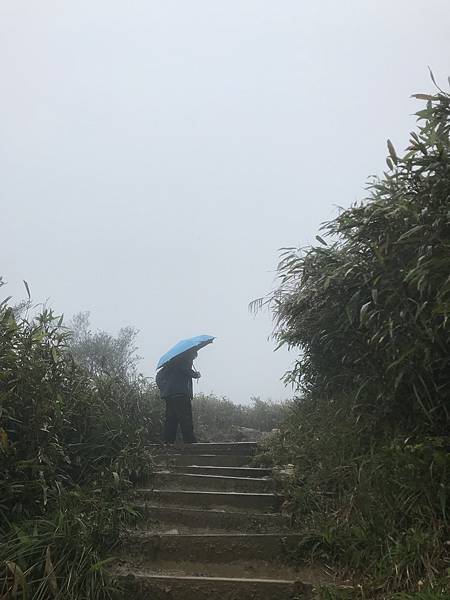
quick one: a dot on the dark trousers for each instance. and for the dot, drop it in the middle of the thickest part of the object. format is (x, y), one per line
(179, 412)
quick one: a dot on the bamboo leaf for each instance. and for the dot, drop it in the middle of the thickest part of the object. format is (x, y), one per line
(3, 439)
(392, 152)
(363, 314)
(432, 77)
(98, 566)
(55, 355)
(27, 288)
(49, 572)
(424, 96)
(19, 580)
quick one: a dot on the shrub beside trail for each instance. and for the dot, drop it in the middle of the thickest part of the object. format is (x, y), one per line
(368, 309)
(70, 444)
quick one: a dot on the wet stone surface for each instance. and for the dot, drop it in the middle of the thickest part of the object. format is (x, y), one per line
(211, 528)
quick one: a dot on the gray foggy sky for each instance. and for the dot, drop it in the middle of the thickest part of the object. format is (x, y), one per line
(154, 155)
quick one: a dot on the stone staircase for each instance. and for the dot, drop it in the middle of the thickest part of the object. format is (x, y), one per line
(212, 530)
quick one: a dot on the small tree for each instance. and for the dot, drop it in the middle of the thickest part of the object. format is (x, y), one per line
(101, 353)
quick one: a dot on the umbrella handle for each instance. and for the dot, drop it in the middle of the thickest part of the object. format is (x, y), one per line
(194, 369)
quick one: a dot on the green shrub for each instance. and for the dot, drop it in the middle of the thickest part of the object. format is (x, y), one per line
(364, 506)
(369, 310)
(219, 419)
(369, 441)
(70, 443)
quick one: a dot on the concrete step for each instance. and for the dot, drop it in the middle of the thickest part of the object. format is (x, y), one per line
(259, 569)
(247, 448)
(211, 505)
(225, 471)
(210, 547)
(201, 460)
(156, 584)
(228, 500)
(188, 481)
(165, 517)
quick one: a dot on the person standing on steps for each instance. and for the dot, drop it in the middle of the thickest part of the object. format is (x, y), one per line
(174, 381)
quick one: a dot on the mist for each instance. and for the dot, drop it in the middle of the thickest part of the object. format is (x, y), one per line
(155, 156)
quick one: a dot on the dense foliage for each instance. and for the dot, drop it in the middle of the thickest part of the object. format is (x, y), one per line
(368, 310)
(69, 444)
(219, 419)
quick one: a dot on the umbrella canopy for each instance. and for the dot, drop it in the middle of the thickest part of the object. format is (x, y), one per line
(193, 343)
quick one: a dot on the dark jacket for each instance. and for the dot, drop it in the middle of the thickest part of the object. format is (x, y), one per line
(175, 379)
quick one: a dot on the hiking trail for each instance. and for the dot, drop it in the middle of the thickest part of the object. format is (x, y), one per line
(212, 529)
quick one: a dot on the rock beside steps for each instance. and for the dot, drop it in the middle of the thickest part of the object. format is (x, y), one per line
(213, 530)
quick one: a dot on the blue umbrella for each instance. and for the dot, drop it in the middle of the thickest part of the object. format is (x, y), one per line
(183, 346)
